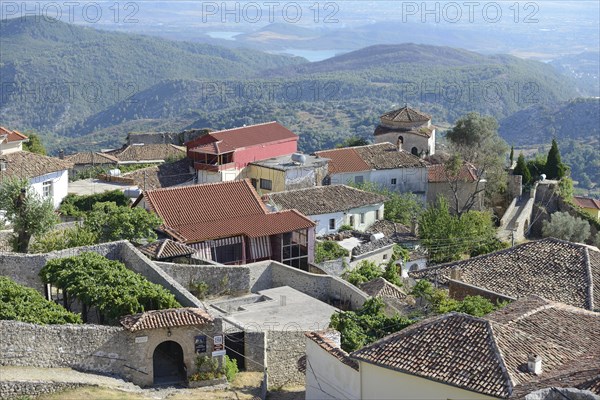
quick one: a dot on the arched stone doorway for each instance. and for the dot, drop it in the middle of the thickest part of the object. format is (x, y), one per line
(168, 365)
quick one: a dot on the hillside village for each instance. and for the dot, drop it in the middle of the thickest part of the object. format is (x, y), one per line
(396, 267)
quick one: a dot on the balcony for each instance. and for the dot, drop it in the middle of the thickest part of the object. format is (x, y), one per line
(198, 166)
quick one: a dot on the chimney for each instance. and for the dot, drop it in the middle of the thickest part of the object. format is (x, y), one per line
(534, 364)
(61, 154)
(399, 143)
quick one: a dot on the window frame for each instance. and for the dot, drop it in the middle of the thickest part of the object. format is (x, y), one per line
(263, 184)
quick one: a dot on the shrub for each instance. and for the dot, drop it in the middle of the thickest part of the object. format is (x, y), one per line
(20, 303)
(76, 206)
(329, 250)
(231, 368)
(366, 271)
(63, 239)
(345, 227)
(564, 226)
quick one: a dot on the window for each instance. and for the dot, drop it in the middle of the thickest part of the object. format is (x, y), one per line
(385, 256)
(415, 151)
(254, 182)
(266, 184)
(47, 190)
(362, 218)
(352, 221)
(358, 180)
(377, 215)
(394, 181)
(332, 223)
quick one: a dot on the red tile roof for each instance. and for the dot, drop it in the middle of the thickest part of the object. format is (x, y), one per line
(231, 139)
(12, 136)
(171, 317)
(344, 160)
(586, 202)
(166, 248)
(437, 173)
(219, 210)
(321, 338)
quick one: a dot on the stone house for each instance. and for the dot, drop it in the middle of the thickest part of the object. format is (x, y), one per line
(147, 153)
(288, 172)
(588, 205)
(507, 354)
(554, 269)
(48, 176)
(227, 222)
(330, 207)
(223, 155)
(167, 250)
(384, 164)
(465, 184)
(409, 128)
(91, 159)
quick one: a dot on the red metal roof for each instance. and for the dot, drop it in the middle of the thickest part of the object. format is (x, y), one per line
(344, 160)
(12, 136)
(586, 202)
(231, 139)
(218, 210)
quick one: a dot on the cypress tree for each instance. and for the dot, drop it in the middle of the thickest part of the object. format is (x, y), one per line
(555, 169)
(521, 169)
(512, 155)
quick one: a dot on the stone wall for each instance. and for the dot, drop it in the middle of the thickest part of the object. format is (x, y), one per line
(284, 353)
(20, 389)
(219, 278)
(459, 290)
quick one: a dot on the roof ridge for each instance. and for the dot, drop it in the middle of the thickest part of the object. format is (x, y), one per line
(499, 358)
(161, 247)
(242, 127)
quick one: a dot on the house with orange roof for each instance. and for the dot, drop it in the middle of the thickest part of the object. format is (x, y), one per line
(48, 176)
(223, 155)
(228, 223)
(588, 205)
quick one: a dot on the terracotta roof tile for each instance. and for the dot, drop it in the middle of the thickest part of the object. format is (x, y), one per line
(380, 287)
(437, 173)
(166, 248)
(90, 158)
(12, 136)
(231, 139)
(163, 176)
(332, 348)
(24, 164)
(366, 158)
(406, 114)
(586, 202)
(489, 355)
(148, 152)
(201, 212)
(555, 269)
(168, 318)
(425, 131)
(324, 199)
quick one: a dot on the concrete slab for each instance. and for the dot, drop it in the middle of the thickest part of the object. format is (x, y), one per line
(85, 187)
(279, 309)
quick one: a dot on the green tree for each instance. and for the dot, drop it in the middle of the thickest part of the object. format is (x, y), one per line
(20, 303)
(366, 325)
(63, 239)
(555, 169)
(329, 250)
(353, 142)
(77, 206)
(512, 155)
(521, 169)
(34, 144)
(110, 222)
(402, 208)
(26, 211)
(106, 285)
(564, 226)
(365, 271)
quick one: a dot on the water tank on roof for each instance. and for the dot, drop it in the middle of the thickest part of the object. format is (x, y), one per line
(299, 158)
(543, 177)
(114, 172)
(132, 193)
(377, 236)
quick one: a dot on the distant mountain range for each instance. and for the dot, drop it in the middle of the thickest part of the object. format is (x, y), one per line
(85, 88)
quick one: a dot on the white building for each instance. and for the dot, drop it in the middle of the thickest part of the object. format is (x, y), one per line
(383, 164)
(332, 206)
(48, 176)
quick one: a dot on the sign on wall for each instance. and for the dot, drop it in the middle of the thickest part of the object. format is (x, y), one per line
(200, 344)
(218, 343)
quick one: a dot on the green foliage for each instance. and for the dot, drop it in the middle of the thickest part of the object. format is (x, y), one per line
(565, 188)
(536, 167)
(20, 303)
(76, 206)
(112, 222)
(523, 170)
(329, 250)
(200, 289)
(447, 237)
(401, 208)
(353, 141)
(34, 144)
(365, 326)
(26, 211)
(345, 227)
(365, 271)
(107, 285)
(487, 247)
(230, 368)
(583, 160)
(63, 239)
(564, 226)
(441, 303)
(555, 169)
(512, 155)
